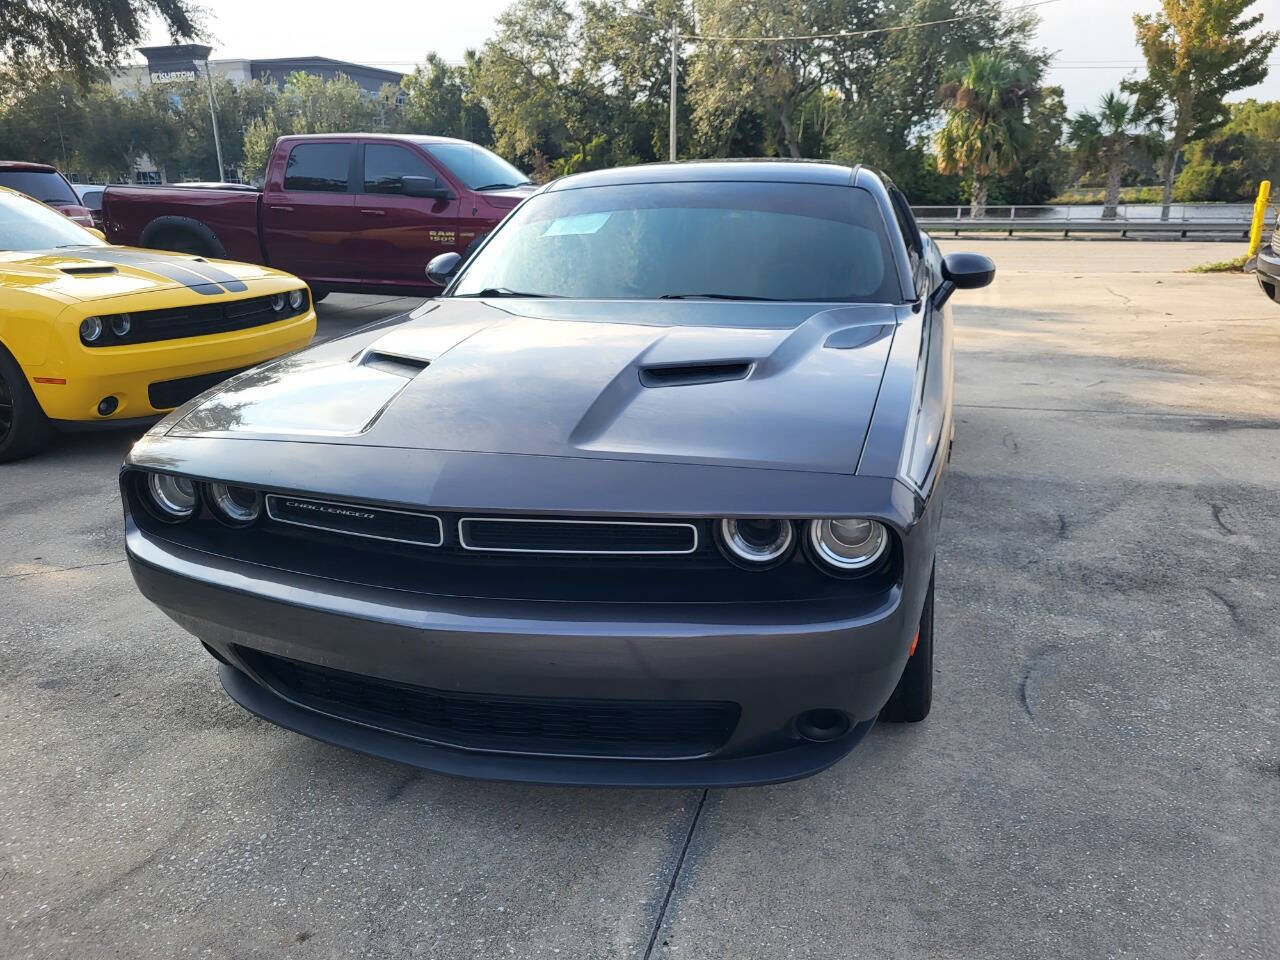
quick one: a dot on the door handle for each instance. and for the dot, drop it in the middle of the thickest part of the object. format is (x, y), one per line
(281, 209)
(374, 213)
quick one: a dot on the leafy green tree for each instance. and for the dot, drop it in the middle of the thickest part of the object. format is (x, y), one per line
(85, 38)
(440, 99)
(985, 130)
(1106, 141)
(1197, 52)
(1230, 162)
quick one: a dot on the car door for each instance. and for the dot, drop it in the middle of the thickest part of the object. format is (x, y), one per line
(399, 233)
(307, 210)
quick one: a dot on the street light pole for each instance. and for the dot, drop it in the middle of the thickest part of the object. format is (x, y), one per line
(213, 115)
(671, 133)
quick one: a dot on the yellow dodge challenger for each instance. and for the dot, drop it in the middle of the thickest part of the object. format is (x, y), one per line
(96, 334)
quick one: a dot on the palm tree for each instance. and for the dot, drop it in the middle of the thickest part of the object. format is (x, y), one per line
(985, 99)
(1107, 139)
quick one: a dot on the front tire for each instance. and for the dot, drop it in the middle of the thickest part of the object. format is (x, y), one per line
(24, 429)
(913, 696)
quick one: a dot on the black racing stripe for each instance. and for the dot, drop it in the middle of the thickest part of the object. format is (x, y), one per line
(172, 268)
(216, 274)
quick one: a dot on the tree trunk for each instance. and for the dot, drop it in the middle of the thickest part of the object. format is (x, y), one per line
(1115, 167)
(978, 199)
(789, 132)
(1170, 166)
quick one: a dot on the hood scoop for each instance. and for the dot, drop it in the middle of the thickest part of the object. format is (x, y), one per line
(95, 270)
(686, 374)
(400, 366)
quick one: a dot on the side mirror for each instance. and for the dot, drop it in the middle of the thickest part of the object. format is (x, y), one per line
(424, 187)
(442, 268)
(963, 271)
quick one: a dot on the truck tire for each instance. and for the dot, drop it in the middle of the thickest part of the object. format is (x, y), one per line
(24, 428)
(319, 293)
(182, 235)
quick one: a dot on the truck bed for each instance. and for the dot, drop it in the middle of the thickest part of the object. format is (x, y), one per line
(229, 210)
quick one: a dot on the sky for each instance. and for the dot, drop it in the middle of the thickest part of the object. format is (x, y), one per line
(1093, 40)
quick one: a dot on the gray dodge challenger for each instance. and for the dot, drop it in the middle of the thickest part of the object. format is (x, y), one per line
(649, 496)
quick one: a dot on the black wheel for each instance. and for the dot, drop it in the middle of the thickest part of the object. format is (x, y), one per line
(182, 235)
(24, 428)
(319, 293)
(913, 695)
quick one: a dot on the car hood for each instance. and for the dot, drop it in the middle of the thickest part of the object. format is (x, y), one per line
(100, 272)
(790, 386)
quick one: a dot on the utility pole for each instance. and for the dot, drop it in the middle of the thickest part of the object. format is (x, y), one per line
(675, 53)
(213, 115)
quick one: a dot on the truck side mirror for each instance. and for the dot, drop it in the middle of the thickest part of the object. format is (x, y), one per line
(442, 268)
(424, 187)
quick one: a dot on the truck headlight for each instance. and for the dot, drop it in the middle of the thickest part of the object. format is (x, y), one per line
(847, 544)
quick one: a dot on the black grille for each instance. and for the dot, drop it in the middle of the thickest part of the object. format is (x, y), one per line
(575, 536)
(599, 728)
(167, 394)
(196, 320)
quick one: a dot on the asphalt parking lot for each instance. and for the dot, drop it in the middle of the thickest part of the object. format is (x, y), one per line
(1100, 776)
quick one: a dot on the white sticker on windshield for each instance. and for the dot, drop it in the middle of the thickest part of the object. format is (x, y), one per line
(573, 226)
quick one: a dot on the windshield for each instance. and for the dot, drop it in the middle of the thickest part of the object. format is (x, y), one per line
(45, 186)
(476, 167)
(731, 240)
(27, 225)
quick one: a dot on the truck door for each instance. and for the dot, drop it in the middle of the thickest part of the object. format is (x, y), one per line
(308, 209)
(397, 233)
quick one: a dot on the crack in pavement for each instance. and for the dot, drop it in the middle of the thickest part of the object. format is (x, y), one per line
(43, 573)
(675, 877)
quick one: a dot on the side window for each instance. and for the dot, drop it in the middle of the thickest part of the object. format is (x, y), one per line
(385, 166)
(906, 223)
(318, 167)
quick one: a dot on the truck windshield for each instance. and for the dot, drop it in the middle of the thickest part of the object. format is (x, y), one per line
(476, 167)
(45, 185)
(687, 240)
(27, 225)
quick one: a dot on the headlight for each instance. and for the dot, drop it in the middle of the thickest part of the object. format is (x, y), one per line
(756, 543)
(296, 299)
(277, 302)
(847, 544)
(121, 324)
(174, 497)
(91, 329)
(238, 506)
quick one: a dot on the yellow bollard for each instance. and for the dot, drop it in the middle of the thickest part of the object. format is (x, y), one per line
(1259, 217)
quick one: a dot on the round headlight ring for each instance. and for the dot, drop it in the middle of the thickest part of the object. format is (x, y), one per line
(296, 299)
(237, 506)
(121, 324)
(756, 543)
(174, 498)
(91, 329)
(847, 544)
(277, 302)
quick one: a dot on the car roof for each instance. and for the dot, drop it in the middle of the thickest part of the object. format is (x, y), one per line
(27, 166)
(695, 171)
(393, 137)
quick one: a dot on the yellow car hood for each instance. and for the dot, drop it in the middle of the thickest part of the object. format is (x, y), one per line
(97, 273)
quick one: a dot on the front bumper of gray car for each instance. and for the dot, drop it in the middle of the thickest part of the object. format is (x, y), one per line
(740, 680)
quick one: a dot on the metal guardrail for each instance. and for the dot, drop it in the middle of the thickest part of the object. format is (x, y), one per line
(1223, 220)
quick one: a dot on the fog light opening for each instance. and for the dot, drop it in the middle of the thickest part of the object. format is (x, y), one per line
(822, 725)
(107, 406)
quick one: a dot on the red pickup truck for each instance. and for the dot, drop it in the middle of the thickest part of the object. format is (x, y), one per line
(361, 213)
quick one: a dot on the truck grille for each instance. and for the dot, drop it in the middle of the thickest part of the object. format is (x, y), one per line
(533, 725)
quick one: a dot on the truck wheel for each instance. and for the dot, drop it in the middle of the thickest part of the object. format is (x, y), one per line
(319, 293)
(181, 235)
(913, 696)
(24, 428)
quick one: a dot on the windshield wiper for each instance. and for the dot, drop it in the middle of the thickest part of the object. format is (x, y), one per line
(504, 292)
(710, 296)
(502, 186)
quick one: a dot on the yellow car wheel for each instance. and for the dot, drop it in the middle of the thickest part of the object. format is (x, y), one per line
(24, 429)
